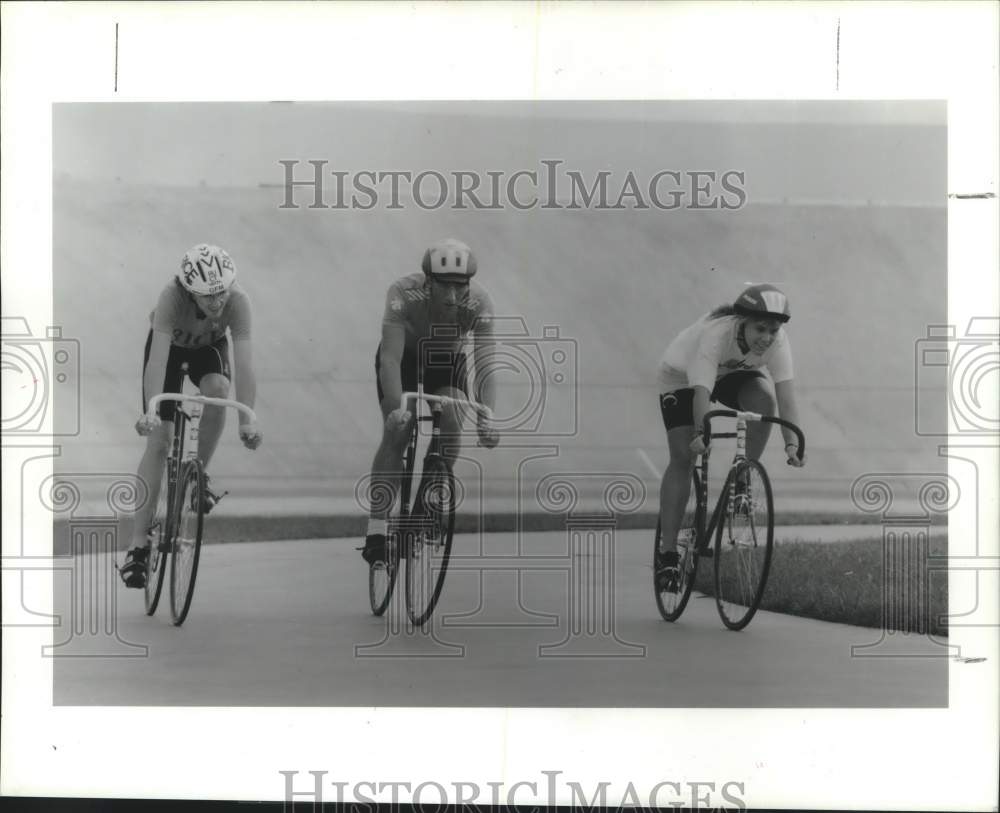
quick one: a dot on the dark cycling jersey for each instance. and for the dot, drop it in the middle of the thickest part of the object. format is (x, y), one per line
(407, 304)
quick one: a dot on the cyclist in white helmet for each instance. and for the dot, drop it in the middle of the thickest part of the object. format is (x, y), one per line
(438, 305)
(189, 325)
(721, 357)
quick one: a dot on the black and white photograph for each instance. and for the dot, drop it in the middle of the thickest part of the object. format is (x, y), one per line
(566, 273)
(577, 417)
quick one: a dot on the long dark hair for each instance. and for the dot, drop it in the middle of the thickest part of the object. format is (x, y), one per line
(722, 310)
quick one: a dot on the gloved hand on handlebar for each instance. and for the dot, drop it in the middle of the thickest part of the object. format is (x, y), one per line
(146, 425)
(398, 419)
(792, 451)
(488, 436)
(251, 436)
(698, 445)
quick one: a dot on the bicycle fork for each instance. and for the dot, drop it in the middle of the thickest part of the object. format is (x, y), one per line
(173, 470)
(738, 458)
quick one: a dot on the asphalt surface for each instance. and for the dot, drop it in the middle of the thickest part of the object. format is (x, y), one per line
(288, 624)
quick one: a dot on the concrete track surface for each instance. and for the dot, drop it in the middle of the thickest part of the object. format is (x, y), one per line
(288, 624)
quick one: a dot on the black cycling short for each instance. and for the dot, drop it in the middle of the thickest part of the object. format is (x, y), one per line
(677, 407)
(443, 367)
(212, 358)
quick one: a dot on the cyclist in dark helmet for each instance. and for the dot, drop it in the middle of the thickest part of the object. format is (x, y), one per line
(723, 357)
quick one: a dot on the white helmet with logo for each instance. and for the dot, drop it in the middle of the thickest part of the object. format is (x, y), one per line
(206, 270)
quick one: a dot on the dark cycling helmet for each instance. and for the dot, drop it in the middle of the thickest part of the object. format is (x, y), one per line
(763, 301)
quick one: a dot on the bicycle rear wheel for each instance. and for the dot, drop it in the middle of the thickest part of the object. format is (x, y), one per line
(744, 542)
(429, 542)
(189, 521)
(158, 536)
(672, 604)
(382, 575)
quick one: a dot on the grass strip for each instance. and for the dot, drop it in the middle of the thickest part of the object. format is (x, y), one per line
(894, 584)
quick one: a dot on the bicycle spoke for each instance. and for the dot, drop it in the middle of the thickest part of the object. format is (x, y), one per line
(430, 538)
(744, 543)
(382, 576)
(186, 544)
(156, 559)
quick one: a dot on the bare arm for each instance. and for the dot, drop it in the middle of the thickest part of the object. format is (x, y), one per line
(246, 391)
(482, 353)
(788, 409)
(246, 379)
(393, 344)
(156, 366)
(702, 399)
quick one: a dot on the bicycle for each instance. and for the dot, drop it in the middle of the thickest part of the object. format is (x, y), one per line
(179, 520)
(422, 532)
(742, 522)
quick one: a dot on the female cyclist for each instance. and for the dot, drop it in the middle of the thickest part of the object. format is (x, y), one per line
(721, 357)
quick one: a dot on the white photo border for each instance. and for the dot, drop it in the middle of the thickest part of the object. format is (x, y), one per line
(53, 52)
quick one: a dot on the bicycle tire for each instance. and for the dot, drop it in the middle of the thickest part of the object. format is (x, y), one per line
(156, 558)
(429, 542)
(742, 557)
(185, 548)
(671, 605)
(382, 576)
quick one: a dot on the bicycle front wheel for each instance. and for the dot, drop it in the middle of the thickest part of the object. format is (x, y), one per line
(429, 540)
(671, 603)
(159, 547)
(382, 575)
(189, 521)
(744, 542)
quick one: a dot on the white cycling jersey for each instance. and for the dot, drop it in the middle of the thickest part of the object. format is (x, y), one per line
(708, 350)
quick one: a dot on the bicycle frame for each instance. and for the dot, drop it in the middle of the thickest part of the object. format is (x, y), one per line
(176, 455)
(738, 584)
(174, 459)
(437, 404)
(410, 455)
(742, 419)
